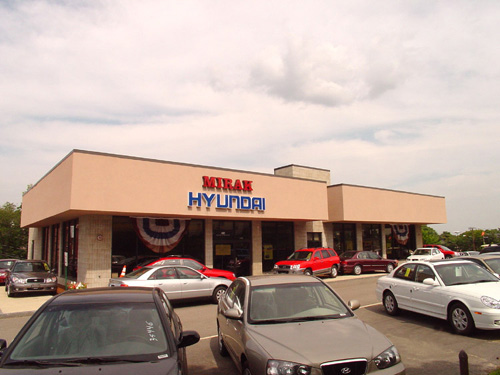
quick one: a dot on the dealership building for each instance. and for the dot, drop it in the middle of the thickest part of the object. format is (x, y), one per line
(92, 206)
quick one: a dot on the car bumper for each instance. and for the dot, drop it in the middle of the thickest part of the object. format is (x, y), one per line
(485, 319)
(294, 271)
(26, 288)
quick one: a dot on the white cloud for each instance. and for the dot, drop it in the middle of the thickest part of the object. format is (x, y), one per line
(398, 95)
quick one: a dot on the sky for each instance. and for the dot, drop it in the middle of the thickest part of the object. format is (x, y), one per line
(401, 95)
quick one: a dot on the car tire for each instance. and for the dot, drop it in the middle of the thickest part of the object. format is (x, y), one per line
(390, 304)
(246, 369)
(10, 293)
(389, 268)
(357, 270)
(308, 272)
(460, 319)
(217, 294)
(220, 343)
(334, 271)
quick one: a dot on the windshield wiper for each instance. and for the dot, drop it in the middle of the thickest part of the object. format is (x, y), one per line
(41, 363)
(99, 360)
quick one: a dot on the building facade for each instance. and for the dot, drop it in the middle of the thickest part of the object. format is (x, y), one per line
(92, 206)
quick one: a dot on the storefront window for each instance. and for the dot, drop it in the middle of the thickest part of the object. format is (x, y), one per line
(372, 238)
(344, 237)
(399, 240)
(54, 249)
(314, 239)
(233, 246)
(277, 243)
(70, 246)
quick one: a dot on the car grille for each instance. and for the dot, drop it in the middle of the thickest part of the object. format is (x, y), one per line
(284, 267)
(347, 367)
(35, 280)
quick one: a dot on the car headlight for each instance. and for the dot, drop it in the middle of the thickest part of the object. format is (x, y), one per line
(387, 358)
(490, 302)
(51, 279)
(276, 266)
(275, 367)
(18, 280)
(295, 266)
(2, 274)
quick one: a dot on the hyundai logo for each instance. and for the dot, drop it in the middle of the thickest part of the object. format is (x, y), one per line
(346, 370)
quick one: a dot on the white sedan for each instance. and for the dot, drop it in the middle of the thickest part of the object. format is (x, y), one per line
(178, 282)
(426, 253)
(461, 292)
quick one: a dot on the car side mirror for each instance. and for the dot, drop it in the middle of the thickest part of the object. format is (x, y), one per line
(233, 313)
(3, 345)
(430, 281)
(188, 338)
(354, 304)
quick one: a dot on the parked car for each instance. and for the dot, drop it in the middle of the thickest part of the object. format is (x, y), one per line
(178, 282)
(131, 263)
(448, 253)
(5, 265)
(296, 324)
(174, 260)
(313, 261)
(357, 262)
(489, 262)
(101, 330)
(426, 253)
(461, 292)
(490, 249)
(28, 276)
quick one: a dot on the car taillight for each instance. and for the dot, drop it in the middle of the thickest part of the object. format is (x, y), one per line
(123, 284)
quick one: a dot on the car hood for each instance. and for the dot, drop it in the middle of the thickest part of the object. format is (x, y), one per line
(166, 366)
(478, 290)
(419, 257)
(25, 275)
(289, 262)
(320, 341)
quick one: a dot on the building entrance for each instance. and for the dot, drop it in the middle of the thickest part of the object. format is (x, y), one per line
(233, 246)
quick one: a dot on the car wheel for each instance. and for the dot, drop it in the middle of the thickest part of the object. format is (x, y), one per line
(390, 304)
(246, 369)
(447, 257)
(308, 272)
(218, 292)
(389, 268)
(10, 293)
(222, 347)
(334, 271)
(461, 319)
(357, 270)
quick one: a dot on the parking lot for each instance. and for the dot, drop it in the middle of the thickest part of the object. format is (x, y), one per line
(426, 344)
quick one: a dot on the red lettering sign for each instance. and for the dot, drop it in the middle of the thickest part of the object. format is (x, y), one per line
(226, 183)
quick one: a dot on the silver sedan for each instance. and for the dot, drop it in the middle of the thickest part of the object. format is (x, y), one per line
(178, 282)
(297, 325)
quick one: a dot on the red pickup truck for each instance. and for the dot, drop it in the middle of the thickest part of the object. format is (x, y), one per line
(313, 261)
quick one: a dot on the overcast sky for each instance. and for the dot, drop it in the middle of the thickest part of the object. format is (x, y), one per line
(400, 95)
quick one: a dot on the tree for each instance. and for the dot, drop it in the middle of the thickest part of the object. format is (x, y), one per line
(429, 235)
(13, 238)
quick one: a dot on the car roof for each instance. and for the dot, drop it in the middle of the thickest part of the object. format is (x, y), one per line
(29, 260)
(105, 295)
(261, 280)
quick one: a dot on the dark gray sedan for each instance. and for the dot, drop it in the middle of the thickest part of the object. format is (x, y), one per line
(179, 282)
(297, 325)
(101, 331)
(30, 276)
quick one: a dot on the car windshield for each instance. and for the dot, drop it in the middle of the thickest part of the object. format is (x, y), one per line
(494, 264)
(348, 254)
(455, 273)
(5, 264)
(422, 252)
(115, 331)
(293, 302)
(31, 267)
(300, 255)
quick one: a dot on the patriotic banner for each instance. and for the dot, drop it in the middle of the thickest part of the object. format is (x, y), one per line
(160, 235)
(401, 232)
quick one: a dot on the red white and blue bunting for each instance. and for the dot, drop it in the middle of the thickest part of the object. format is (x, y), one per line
(401, 232)
(160, 235)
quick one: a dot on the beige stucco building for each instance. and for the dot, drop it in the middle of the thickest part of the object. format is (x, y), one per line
(91, 206)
